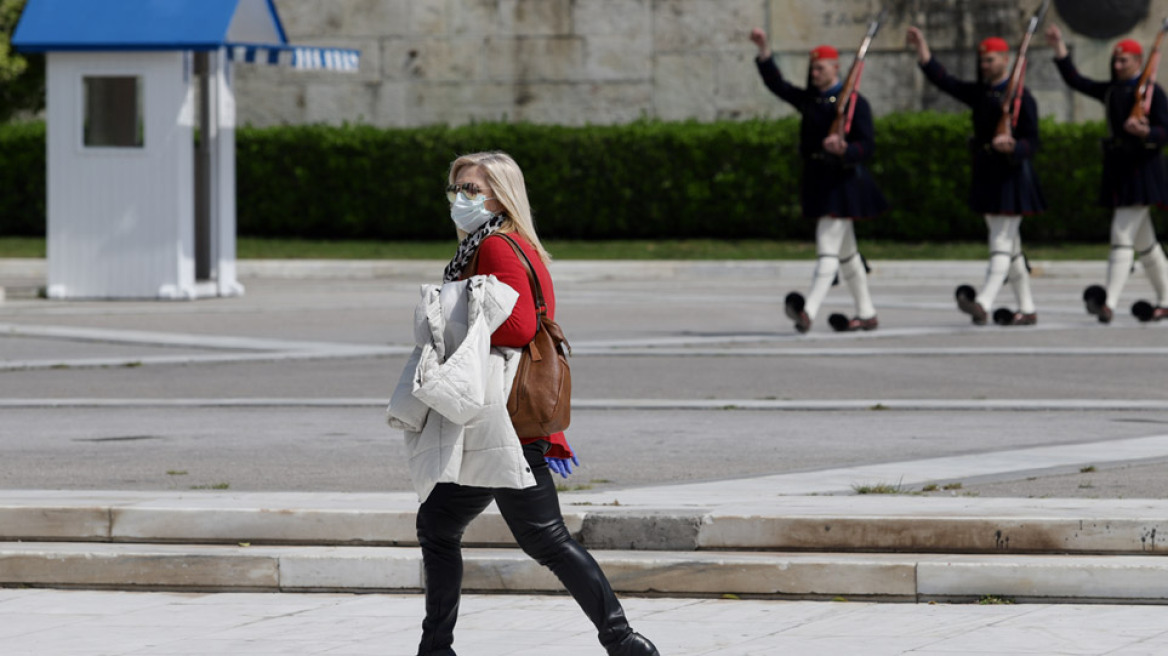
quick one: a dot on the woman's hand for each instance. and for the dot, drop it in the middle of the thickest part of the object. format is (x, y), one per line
(563, 466)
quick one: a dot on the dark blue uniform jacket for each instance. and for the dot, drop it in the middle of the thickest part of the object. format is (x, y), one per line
(1003, 183)
(1133, 168)
(832, 185)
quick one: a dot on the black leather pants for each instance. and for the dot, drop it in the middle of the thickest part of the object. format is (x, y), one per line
(533, 514)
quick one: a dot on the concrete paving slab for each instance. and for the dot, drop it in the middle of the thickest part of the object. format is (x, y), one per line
(84, 623)
(903, 475)
(702, 333)
(36, 268)
(163, 441)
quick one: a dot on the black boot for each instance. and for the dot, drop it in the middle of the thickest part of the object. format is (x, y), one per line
(441, 522)
(443, 570)
(585, 581)
(634, 644)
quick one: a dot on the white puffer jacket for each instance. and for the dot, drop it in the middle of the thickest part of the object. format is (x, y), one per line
(451, 399)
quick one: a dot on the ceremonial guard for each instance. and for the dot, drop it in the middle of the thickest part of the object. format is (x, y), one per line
(1005, 187)
(836, 187)
(1134, 177)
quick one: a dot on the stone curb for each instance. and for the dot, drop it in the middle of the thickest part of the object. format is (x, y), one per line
(831, 523)
(889, 577)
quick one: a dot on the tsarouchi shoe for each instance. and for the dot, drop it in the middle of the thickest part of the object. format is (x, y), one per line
(793, 306)
(841, 324)
(1023, 319)
(1146, 312)
(967, 303)
(1007, 317)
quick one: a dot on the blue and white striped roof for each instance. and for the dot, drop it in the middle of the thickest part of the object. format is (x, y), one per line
(298, 57)
(249, 29)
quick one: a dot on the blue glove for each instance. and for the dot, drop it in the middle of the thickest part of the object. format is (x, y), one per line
(562, 466)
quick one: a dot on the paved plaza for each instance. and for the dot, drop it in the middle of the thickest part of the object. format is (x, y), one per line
(690, 389)
(84, 623)
(682, 372)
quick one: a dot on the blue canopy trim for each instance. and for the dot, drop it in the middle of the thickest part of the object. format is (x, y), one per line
(49, 25)
(249, 29)
(302, 58)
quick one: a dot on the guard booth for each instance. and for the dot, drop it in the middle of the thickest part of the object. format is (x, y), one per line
(141, 138)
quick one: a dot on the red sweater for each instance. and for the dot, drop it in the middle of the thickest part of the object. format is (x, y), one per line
(496, 258)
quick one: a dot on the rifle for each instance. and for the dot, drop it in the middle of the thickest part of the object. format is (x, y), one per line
(1148, 79)
(1012, 99)
(845, 107)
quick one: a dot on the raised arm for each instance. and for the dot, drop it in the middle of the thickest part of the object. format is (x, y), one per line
(759, 38)
(771, 76)
(1054, 38)
(915, 38)
(1066, 67)
(966, 92)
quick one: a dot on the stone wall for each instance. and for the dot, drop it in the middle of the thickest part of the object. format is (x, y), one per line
(612, 61)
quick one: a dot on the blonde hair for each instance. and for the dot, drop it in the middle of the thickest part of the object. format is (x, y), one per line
(506, 179)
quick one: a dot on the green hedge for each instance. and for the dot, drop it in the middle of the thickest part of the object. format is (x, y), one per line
(22, 179)
(642, 180)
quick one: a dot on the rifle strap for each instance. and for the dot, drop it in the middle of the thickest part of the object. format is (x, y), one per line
(852, 100)
(1154, 62)
(1018, 96)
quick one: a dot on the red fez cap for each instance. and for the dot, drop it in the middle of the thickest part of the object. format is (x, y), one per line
(1130, 46)
(824, 52)
(994, 44)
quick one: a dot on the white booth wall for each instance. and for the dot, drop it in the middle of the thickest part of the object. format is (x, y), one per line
(121, 219)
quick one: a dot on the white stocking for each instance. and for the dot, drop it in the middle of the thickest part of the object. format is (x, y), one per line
(1156, 268)
(855, 275)
(829, 236)
(1125, 225)
(1020, 282)
(1004, 243)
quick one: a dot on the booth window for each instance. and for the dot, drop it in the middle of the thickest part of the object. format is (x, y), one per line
(113, 112)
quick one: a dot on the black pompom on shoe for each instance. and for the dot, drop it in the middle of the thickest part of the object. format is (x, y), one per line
(966, 302)
(839, 322)
(1003, 317)
(793, 306)
(1144, 311)
(1095, 299)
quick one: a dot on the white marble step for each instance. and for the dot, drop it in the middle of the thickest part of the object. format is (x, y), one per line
(895, 577)
(796, 523)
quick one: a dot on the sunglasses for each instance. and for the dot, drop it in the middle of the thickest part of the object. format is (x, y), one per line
(468, 189)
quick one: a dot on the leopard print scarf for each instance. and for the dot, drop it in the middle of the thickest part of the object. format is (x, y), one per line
(469, 246)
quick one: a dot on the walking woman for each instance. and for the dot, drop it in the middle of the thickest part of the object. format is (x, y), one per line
(488, 199)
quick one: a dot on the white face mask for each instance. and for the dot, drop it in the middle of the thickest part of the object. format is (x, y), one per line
(469, 214)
